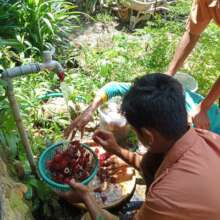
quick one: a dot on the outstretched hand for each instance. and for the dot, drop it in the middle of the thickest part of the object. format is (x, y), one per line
(78, 123)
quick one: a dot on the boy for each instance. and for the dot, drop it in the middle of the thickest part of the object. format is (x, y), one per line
(186, 185)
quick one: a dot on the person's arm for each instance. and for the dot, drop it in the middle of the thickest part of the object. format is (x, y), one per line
(80, 193)
(107, 140)
(212, 96)
(131, 158)
(107, 92)
(183, 50)
(200, 115)
(95, 211)
(83, 119)
(198, 20)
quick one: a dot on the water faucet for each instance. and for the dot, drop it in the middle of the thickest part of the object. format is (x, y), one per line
(8, 74)
(48, 64)
(51, 64)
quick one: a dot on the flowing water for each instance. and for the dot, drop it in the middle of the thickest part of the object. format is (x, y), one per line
(66, 94)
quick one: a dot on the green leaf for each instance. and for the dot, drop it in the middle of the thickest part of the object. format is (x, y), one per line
(2, 98)
(3, 83)
(47, 22)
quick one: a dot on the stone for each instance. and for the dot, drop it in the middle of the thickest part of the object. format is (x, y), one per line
(12, 204)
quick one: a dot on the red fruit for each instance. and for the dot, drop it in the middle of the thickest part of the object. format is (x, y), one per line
(63, 164)
(58, 157)
(80, 161)
(98, 190)
(99, 173)
(102, 179)
(59, 178)
(56, 178)
(107, 155)
(73, 162)
(76, 142)
(55, 167)
(82, 151)
(84, 175)
(67, 155)
(97, 151)
(67, 180)
(101, 163)
(76, 168)
(102, 157)
(87, 156)
(76, 157)
(107, 173)
(85, 164)
(49, 164)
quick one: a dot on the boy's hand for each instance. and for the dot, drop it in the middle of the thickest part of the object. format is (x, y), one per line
(107, 140)
(78, 194)
(78, 123)
(113, 163)
(200, 118)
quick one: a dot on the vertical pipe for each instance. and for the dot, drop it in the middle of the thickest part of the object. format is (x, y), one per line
(1, 203)
(20, 125)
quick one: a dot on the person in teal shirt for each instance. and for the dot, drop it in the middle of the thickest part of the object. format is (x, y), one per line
(114, 89)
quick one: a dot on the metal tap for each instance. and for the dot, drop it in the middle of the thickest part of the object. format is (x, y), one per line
(8, 74)
(48, 64)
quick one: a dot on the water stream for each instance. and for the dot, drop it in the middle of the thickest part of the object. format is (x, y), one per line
(66, 94)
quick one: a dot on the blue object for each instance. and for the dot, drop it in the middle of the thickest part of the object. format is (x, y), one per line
(113, 89)
(193, 99)
(50, 95)
(58, 94)
(49, 153)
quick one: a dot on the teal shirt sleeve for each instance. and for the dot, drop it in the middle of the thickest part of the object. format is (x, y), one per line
(113, 89)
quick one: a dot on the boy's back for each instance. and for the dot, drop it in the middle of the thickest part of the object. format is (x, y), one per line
(187, 184)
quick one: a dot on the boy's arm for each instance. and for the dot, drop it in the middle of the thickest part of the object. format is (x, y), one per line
(107, 92)
(107, 140)
(198, 20)
(96, 212)
(183, 50)
(80, 193)
(200, 116)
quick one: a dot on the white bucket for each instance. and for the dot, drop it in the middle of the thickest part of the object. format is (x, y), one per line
(188, 82)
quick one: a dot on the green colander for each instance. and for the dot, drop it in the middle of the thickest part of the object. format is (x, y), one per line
(49, 153)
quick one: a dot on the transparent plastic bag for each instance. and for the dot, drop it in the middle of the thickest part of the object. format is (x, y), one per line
(112, 120)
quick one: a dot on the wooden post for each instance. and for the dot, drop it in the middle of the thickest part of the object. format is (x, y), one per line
(20, 125)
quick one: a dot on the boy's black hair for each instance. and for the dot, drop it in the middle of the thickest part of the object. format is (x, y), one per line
(157, 101)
